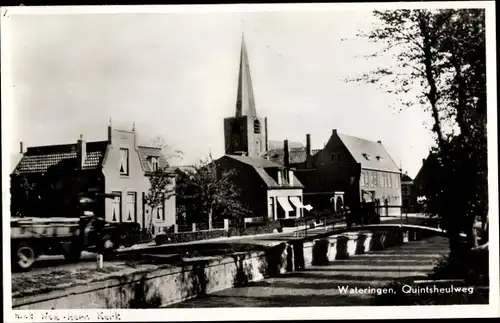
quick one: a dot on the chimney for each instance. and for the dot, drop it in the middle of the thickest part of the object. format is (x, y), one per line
(334, 131)
(265, 129)
(109, 131)
(81, 150)
(423, 161)
(286, 153)
(308, 144)
(21, 148)
(379, 141)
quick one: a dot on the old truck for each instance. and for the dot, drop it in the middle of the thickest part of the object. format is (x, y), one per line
(32, 237)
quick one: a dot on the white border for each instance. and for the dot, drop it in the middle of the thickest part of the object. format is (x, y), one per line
(296, 313)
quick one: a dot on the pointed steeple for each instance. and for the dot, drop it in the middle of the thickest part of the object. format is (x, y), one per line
(245, 102)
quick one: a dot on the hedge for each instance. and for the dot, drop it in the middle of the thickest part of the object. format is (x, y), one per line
(258, 229)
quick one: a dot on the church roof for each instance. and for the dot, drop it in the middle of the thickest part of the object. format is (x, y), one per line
(255, 161)
(245, 101)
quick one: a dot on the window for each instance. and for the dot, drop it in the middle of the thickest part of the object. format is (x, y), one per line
(131, 215)
(256, 127)
(154, 163)
(375, 179)
(335, 157)
(382, 179)
(160, 211)
(397, 182)
(123, 161)
(280, 180)
(270, 211)
(389, 178)
(117, 207)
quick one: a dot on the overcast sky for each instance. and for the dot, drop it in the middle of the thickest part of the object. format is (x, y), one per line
(175, 75)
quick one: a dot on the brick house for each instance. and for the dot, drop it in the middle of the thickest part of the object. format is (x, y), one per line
(116, 166)
(269, 190)
(360, 168)
(408, 194)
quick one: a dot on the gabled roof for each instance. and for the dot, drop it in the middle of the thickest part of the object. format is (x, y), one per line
(261, 167)
(370, 154)
(39, 159)
(406, 178)
(146, 152)
(427, 168)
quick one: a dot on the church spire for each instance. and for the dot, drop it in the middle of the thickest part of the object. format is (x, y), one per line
(245, 102)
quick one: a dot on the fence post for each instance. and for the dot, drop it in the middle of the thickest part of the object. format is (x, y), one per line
(226, 224)
(193, 227)
(176, 228)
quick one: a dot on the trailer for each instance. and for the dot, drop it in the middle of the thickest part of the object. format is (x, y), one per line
(32, 237)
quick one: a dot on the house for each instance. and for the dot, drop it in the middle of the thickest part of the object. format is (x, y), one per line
(360, 168)
(270, 190)
(116, 167)
(425, 174)
(408, 194)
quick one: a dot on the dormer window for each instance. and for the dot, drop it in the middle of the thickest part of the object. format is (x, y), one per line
(154, 163)
(256, 127)
(367, 156)
(379, 158)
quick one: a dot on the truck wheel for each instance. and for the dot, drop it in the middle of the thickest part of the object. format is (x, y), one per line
(73, 254)
(24, 256)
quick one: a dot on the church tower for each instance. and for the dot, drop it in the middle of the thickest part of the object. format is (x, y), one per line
(245, 133)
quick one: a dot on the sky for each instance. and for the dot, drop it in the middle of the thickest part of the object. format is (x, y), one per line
(175, 76)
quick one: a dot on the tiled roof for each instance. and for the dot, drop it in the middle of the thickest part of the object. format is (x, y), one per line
(39, 159)
(297, 155)
(276, 144)
(260, 165)
(369, 154)
(255, 161)
(146, 152)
